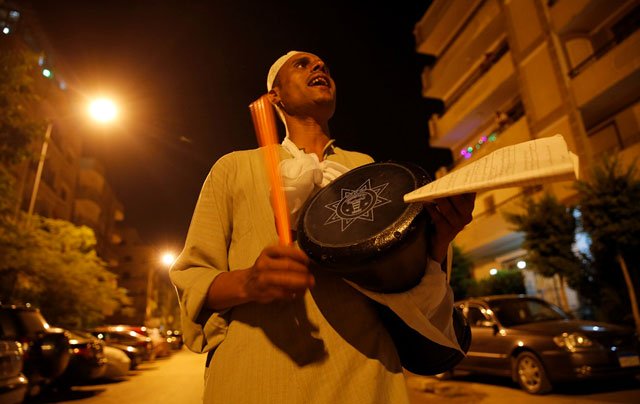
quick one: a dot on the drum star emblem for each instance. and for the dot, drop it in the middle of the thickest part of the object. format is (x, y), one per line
(356, 204)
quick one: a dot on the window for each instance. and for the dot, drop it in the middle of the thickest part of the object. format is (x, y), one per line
(475, 316)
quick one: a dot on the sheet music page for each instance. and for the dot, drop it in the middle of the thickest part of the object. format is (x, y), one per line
(528, 163)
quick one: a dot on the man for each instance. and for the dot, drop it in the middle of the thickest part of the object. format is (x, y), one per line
(276, 331)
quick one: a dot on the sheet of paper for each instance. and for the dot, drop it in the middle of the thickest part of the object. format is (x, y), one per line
(523, 164)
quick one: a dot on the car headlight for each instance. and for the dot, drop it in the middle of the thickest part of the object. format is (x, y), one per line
(572, 341)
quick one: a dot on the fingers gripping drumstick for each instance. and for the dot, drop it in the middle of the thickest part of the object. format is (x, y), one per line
(265, 126)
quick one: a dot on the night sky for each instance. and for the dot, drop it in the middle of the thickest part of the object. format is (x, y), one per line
(184, 73)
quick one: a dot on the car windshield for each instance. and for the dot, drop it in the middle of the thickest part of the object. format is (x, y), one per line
(512, 312)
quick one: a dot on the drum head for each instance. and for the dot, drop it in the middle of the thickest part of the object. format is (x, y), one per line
(361, 215)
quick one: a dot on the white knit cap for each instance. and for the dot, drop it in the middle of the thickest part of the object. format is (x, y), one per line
(277, 65)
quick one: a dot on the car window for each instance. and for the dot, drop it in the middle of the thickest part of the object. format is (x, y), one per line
(32, 321)
(518, 311)
(8, 328)
(475, 316)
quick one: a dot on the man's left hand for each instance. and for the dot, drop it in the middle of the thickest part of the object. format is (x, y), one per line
(449, 215)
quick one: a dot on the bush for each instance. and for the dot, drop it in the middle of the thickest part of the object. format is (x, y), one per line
(502, 283)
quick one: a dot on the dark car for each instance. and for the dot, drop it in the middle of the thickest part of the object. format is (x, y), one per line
(46, 350)
(137, 347)
(174, 338)
(159, 343)
(13, 384)
(87, 360)
(537, 344)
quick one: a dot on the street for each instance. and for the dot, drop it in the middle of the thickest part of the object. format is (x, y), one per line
(179, 379)
(484, 389)
(173, 380)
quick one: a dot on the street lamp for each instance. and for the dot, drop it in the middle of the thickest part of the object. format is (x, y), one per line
(166, 259)
(101, 110)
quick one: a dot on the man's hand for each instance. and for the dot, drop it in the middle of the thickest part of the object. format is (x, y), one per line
(450, 215)
(279, 273)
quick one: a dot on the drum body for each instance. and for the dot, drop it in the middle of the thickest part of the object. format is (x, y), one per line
(360, 228)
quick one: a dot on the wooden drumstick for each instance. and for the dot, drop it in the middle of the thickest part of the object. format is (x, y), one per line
(265, 126)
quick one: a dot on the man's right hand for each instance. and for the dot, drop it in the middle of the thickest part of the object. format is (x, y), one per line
(279, 273)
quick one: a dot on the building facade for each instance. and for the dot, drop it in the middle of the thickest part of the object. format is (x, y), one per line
(511, 71)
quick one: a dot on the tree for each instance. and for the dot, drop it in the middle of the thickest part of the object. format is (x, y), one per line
(461, 277)
(18, 128)
(549, 234)
(502, 283)
(611, 216)
(53, 265)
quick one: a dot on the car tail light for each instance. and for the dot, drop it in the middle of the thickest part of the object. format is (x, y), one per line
(84, 351)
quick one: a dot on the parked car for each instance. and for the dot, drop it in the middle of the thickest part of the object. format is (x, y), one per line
(118, 363)
(537, 344)
(13, 384)
(138, 347)
(174, 338)
(160, 345)
(87, 360)
(46, 349)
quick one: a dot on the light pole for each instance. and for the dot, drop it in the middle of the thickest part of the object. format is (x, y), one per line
(101, 110)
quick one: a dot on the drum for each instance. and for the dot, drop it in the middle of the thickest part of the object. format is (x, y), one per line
(359, 227)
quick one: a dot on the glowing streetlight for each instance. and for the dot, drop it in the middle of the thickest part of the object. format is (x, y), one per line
(103, 110)
(168, 259)
(493, 271)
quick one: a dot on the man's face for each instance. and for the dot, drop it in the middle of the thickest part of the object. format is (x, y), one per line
(305, 86)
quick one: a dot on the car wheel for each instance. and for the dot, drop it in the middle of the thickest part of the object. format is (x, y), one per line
(530, 374)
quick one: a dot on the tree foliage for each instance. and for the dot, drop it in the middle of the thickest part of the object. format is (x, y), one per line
(53, 265)
(461, 276)
(610, 214)
(502, 283)
(18, 124)
(549, 229)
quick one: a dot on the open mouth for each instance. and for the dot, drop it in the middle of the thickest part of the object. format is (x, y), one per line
(320, 80)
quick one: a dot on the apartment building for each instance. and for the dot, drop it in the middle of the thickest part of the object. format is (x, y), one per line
(508, 71)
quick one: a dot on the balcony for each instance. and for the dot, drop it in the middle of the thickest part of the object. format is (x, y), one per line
(608, 81)
(441, 23)
(477, 105)
(87, 213)
(480, 44)
(489, 234)
(85, 192)
(580, 16)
